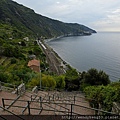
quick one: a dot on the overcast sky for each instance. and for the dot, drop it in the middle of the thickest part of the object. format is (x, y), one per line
(101, 15)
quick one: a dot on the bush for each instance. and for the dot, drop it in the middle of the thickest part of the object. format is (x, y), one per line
(60, 82)
(104, 95)
(48, 81)
(94, 77)
(72, 79)
(13, 61)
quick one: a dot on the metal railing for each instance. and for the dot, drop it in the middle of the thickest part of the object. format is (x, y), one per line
(13, 114)
(56, 107)
(64, 103)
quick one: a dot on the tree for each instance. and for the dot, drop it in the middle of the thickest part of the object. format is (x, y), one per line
(36, 50)
(3, 77)
(48, 81)
(94, 77)
(72, 79)
(60, 82)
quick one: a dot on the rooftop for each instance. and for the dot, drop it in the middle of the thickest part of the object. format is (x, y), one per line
(34, 62)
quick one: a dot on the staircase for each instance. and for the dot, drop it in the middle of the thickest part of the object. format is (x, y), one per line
(44, 103)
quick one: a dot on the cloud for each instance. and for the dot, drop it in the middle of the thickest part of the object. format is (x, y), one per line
(98, 14)
(110, 22)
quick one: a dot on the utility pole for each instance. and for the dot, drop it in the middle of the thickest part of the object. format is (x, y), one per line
(40, 76)
(40, 80)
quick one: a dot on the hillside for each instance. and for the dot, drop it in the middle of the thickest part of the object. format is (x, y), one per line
(19, 28)
(27, 22)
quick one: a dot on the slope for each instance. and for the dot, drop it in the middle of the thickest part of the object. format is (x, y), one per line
(26, 20)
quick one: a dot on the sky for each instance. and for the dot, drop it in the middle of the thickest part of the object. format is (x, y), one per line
(101, 15)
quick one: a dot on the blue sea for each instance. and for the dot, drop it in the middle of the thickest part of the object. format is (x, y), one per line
(100, 51)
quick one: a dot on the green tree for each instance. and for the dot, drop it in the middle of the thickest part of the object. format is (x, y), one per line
(3, 77)
(72, 79)
(60, 82)
(36, 50)
(94, 77)
(48, 81)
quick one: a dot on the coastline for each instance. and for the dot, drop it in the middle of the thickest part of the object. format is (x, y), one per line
(56, 64)
(64, 64)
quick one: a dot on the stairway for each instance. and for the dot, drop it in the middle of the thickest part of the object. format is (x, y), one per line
(46, 103)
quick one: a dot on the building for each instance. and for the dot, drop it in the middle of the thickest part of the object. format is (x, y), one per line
(34, 65)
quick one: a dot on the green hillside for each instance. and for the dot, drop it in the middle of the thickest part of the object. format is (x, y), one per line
(26, 20)
(19, 28)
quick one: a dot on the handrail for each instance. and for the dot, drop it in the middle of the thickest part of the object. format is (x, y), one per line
(13, 102)
(8, 84)
(49, 102)
(12, 113)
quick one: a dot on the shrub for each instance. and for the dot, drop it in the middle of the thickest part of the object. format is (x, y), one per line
(13, 61)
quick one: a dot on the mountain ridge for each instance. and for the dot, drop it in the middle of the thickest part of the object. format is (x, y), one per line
(26, 20)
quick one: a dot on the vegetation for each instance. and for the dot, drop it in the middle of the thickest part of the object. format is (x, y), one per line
(26, 22)
(93, 77)
(103, 95)
(72, 79)
(98, 89)
(19, 27)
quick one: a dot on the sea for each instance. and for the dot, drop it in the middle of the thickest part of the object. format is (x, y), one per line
(100, 50)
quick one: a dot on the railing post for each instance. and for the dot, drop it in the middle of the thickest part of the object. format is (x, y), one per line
(53, 97)
(71, 112)
(31, 97)
(28, 107)
(3, 102)
(49, 99)
(40, 102)
(17, 90)
(0, 86)
(74, 99)
(14, 87)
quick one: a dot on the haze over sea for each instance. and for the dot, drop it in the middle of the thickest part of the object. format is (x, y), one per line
(100, 51)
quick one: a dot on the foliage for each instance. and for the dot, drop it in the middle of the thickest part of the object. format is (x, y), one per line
(94, 77)
(60, 82)
(13, 61)
(12, 51)
(72, 79)
(3, 77)
(48, 81)
(37, 50)
(26, 22)
(103, 95)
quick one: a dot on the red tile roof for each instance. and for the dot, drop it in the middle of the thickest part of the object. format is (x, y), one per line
(34, 62)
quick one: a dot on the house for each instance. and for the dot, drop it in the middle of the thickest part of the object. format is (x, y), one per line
(34, 65)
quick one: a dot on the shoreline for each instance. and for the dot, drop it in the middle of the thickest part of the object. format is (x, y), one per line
(56, 64)
(65, 63)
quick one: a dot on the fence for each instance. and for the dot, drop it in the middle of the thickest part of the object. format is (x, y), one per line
(14, 116)
(52, 102)
(52, 107)
(7, 86)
